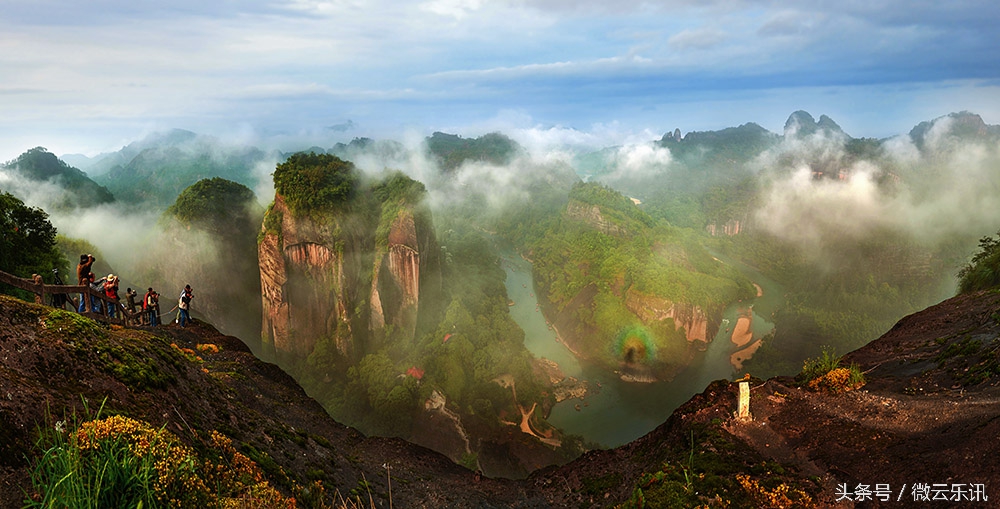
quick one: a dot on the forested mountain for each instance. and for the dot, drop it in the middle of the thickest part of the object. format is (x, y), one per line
(68, 188)
(155, 170)
(452, 150)
(610, 270)
(835, 219)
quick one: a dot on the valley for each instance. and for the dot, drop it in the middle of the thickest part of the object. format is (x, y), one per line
(514, 313)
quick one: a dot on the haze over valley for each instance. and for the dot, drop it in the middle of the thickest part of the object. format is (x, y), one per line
(397, 282)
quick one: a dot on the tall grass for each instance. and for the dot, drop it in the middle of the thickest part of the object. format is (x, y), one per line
(122, 462)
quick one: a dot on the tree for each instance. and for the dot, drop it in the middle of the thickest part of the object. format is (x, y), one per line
(983, 271)
(27, 240)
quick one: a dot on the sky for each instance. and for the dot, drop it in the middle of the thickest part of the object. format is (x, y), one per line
(90, 77)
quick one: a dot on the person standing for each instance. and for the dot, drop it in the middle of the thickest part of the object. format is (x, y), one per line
(130, 296)
(156, 307)
(111, 292)
(83, 278)
(184, 303)
(97, 305)
(149, 305)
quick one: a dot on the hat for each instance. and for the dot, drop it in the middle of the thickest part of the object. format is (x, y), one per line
(111, 277)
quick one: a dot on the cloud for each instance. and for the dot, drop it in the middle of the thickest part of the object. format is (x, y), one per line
(788, 23)
(699, 38)
(931, 197)
(457, 9)
(109, 68)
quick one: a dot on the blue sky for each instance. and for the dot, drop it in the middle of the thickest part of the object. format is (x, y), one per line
(92, 76)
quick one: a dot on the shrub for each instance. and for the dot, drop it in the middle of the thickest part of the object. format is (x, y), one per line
(123, 462)
(824, 373)
(983, 271)
(781, 496)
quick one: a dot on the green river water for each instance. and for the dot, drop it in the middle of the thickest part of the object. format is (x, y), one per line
(617, 412)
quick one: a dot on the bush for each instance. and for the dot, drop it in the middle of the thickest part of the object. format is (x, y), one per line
(838, 380)
(122, 462)
(816, 367)
(824, 373)
(983, 271)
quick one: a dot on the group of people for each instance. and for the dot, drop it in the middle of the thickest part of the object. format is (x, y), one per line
(108, 286)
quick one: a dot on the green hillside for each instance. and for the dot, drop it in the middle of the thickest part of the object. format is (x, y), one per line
(38, 165)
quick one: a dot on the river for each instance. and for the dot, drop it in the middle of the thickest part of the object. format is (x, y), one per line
(617, 412)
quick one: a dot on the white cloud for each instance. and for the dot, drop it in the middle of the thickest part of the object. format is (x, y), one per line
(457, 9)
(699, 38)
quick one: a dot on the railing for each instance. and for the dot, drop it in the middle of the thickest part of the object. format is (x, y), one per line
(41, 290)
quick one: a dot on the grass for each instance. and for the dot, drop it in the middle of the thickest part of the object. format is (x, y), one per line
(721, 477)
(118, 461)
(824, 373)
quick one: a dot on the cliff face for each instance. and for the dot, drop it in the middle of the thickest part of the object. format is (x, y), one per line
(303, 285)
(408, 262)
(592, 216)
(316, 276)
(692, 318)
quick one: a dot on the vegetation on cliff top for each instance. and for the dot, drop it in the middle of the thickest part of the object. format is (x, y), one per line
(315, 183)
(394, 193)
(217, 205)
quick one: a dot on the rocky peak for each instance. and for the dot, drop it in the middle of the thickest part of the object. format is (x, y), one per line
(964, 126)
(827, 124)
(302, 284)
(338, 276)
(801, 124)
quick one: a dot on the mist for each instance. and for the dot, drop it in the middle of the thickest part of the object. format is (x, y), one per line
(146, 249)
(947, 190)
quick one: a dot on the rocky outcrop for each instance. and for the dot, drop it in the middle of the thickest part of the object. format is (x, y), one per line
(303, 284)
(591, 215)
(408, 262)
(729, 228)
(321, 281)
(692, 318)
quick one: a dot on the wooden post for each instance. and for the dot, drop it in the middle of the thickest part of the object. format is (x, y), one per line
(40, 292)
(743, 408)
